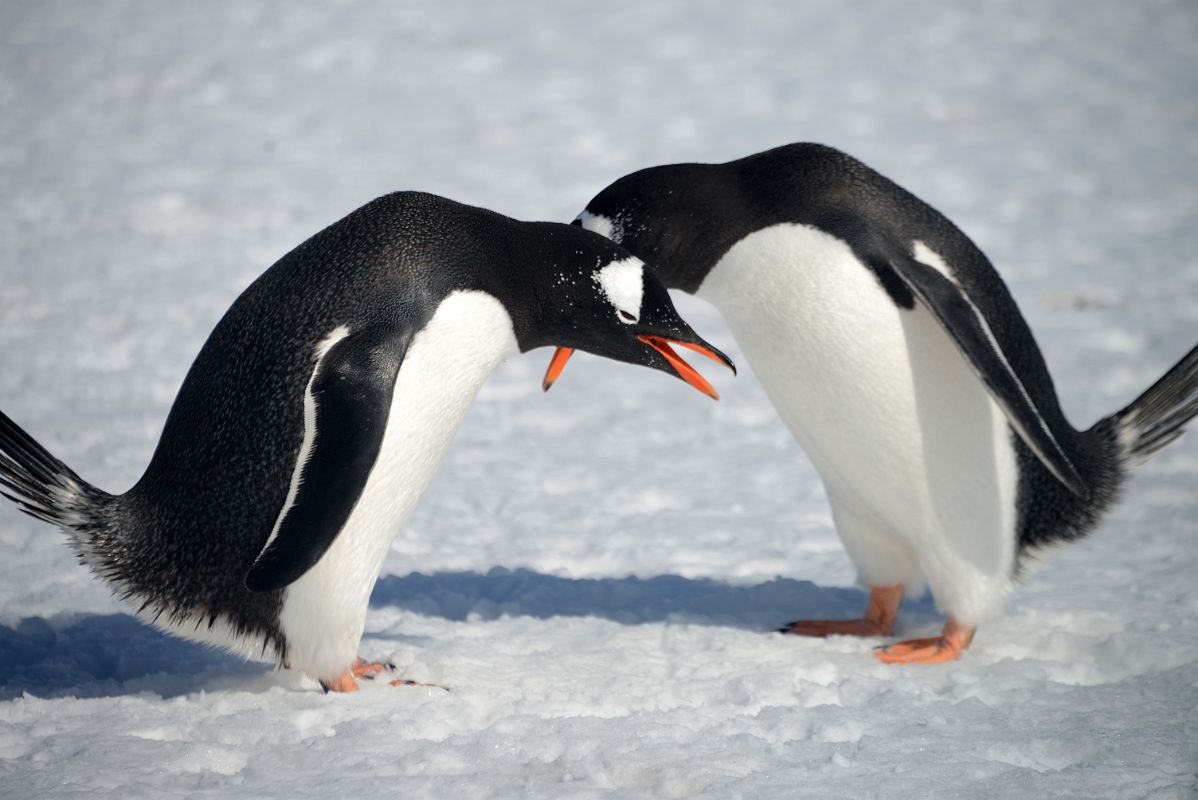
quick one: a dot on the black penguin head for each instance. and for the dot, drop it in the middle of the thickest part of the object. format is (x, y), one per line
(670, 216)
(603, 300)
(617, 211)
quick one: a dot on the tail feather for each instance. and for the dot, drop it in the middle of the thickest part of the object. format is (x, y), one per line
(41, 485)
(1159, 415)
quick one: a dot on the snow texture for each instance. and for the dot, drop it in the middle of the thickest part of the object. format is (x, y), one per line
(595, 573)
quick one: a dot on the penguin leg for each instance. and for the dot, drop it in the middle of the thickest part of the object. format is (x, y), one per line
(948, 646)
(878, 620)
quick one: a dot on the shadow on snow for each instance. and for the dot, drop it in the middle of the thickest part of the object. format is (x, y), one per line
(100, 655)
(461, 596)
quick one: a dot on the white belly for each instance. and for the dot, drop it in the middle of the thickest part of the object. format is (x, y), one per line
(324, 612)
(916, 458)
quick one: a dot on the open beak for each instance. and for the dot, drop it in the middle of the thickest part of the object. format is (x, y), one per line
(685, 370)
(661, 345)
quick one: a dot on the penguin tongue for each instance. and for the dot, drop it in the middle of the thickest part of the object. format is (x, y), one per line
(556, 365)
(684, 370)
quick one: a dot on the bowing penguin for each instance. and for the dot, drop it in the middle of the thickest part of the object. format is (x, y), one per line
(900, 362)
(317, 411)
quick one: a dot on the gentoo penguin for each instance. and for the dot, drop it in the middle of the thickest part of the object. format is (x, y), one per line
(902, 365)
(319, 408)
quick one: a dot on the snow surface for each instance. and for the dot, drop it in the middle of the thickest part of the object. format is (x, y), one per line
(595, 572)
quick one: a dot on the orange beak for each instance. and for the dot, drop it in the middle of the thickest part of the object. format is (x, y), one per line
(684, 370)
(556, 365)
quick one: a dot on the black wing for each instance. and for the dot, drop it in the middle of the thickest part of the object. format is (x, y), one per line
(967, 327)
(351, 390)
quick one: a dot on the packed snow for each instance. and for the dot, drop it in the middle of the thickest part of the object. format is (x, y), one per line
(595, 573)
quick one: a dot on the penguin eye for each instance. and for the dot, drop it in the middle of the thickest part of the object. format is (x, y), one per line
(626, 316)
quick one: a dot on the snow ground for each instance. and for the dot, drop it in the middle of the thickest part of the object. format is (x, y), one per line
(595, 572)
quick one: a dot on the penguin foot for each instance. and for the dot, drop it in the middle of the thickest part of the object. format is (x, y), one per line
(836, 627)
(409, 682)
(342, 683)
(948, 646)
(345, 682)
(879, 618)
(370, 670)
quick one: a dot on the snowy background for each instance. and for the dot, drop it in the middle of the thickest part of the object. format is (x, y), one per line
(595, 572)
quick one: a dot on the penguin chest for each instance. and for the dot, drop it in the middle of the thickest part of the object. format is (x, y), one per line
(904, 435)
(446, 363)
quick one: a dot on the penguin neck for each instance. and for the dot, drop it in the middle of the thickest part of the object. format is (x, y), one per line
(516, 290)
(680, 241)
(683, 256)
(671, 262)
(543, 278)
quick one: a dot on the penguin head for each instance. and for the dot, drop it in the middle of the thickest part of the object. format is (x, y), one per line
(610, 305)
(648, 211)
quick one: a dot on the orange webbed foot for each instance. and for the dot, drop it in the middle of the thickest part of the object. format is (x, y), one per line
(879, 618)
(345, 682)
(342, 683)
(409, 682)
(370, 670)
(948, 646)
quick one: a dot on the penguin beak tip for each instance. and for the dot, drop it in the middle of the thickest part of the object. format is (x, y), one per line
(556, 365)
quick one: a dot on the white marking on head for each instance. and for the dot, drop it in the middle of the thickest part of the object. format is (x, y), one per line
(623, 284)
(597, 223)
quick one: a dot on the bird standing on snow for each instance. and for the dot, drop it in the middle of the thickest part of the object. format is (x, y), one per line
(320, 406)
(898, 359)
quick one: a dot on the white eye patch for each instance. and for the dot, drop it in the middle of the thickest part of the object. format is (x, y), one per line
(596, 222)
(623, 284)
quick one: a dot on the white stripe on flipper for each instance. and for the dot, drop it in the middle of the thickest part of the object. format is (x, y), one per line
(928, 256)
(915, 454)
(444, 365)
(305, 452)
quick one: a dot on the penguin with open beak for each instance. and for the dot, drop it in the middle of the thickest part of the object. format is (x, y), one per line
(319, 408)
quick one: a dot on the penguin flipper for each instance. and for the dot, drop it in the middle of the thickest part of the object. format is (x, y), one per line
(346, 409)
(967, 327)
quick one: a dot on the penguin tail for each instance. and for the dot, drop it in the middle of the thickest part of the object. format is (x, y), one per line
(44, 487)
(1159, 415)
